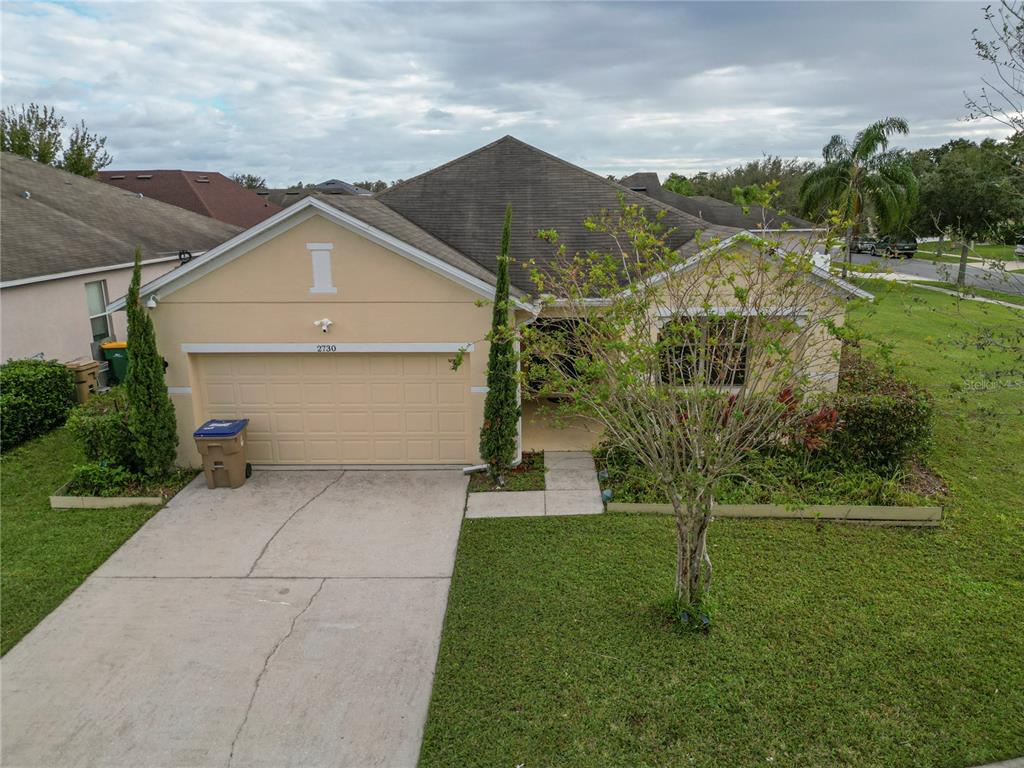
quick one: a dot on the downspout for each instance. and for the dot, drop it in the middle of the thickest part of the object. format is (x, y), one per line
(535, 313)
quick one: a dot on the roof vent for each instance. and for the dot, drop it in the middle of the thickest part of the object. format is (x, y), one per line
(27, 195)
(139, 194)
(638, 189)
(116, 178)
(202, 179)
(144, 176)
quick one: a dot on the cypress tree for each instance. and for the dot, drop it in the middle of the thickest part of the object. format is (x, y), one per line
(150, 411)
(501, 408)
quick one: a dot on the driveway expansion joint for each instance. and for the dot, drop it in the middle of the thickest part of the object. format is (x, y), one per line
(266, 664)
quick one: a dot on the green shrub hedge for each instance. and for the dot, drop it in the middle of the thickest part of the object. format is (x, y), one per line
(883, 419)
(101, 427)
(35, 397)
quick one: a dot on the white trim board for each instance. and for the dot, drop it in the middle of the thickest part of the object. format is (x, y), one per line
(323, 348)
(89, 271)
(290, 217)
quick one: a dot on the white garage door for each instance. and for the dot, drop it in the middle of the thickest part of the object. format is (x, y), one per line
(343, 408)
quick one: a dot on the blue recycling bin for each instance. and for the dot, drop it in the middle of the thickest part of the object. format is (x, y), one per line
(221, 443)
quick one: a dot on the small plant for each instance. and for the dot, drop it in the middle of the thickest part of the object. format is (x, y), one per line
(101, 427)
(99, 480)
(35, 397)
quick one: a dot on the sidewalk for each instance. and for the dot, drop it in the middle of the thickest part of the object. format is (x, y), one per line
(571, 488)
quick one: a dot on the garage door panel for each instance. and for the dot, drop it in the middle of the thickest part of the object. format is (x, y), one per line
(355, 392)
(386, 392)
(343, 408)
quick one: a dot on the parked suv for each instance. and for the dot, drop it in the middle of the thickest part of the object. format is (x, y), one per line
(862, 244)
(1019, 250)
(895, 247)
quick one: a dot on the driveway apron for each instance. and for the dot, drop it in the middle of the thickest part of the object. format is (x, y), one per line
(291, 622)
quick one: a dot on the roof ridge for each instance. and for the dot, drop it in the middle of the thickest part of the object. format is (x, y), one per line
(195, 192)
(441, 167)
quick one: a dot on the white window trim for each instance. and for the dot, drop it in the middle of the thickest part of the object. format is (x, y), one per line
(104, 313)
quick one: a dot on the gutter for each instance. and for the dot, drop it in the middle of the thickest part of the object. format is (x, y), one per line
(79, 272)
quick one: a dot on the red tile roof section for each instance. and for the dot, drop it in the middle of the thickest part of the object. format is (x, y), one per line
(209, 193)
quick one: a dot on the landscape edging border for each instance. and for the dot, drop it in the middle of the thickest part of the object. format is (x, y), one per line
(59, 501)
(851, 513)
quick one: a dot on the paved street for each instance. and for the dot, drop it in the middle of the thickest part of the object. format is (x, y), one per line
(930, 270)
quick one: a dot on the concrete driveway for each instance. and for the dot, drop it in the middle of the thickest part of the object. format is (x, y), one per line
(292, 622)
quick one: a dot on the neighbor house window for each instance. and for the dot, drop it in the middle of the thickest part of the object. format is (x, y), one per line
(708, 351)
(96, 300)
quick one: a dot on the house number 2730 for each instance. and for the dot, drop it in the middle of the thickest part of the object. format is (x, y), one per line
(326, 347)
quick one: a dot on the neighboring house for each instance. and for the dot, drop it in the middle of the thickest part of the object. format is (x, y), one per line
(67, 244)
(292, 195)
(332, 324)
(204, 192)
(714, 211)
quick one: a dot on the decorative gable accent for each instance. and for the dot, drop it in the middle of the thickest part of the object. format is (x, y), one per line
(320, 254)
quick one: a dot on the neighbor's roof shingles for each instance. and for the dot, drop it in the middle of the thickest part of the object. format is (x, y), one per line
(71, 223)
(711, 209)
(209, 194)
(462, 203)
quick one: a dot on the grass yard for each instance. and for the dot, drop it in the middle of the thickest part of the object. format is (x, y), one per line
(832, 645)
(47, 552)
(528, 476)
(981, 250)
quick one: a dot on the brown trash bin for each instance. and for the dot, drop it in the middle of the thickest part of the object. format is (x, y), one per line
(222, 445)
(85, 372)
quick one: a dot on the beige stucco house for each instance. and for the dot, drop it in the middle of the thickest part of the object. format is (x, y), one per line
(331, 326)
(67, 246)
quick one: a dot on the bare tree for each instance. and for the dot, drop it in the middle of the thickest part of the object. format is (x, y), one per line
(1002, 95)
(687, 363)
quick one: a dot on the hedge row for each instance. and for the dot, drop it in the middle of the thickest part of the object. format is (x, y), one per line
(35, 397)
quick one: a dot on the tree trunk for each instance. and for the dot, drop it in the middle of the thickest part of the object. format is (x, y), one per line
(849, 249)
(961, 274)
(693, 564)
(938, 248)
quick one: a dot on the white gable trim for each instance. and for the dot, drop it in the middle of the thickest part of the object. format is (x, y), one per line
(327, 348)
(290, 217)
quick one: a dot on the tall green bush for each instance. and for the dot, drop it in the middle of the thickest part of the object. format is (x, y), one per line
(150, 411)
(883, 419)
(35, 397)
(501, 408)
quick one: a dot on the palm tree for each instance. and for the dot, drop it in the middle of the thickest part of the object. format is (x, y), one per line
(863, 173)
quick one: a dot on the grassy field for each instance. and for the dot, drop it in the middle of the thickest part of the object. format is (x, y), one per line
(47, 553)
(951, 251)
(832, 645)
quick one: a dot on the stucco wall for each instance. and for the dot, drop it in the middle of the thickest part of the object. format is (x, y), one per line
(263, 296)
(52, 317)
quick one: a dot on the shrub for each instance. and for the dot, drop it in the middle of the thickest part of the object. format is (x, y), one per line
(883, 419)
(35, 397)
(101, 427)
(151, 413)
(99, 480)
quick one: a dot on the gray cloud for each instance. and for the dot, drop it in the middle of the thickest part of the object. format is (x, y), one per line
(293, 91)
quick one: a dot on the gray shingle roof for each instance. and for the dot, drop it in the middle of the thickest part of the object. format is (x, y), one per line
(378, 215)
(71, 223)
(712, 209)
(463, 203)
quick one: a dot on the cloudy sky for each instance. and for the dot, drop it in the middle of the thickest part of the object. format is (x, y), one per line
(293, 91)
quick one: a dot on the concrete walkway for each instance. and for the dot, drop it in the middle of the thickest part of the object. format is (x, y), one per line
(292, 622)
(571, 488)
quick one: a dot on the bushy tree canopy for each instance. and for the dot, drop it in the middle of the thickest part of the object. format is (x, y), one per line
(37, 132)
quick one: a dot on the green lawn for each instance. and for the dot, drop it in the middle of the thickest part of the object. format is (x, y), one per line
(528, 476)
(981, 250)
(47, 553)
(832, 646)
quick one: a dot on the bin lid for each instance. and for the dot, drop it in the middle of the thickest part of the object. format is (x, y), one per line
(221, 428)
(114, 345)
(82, 364)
